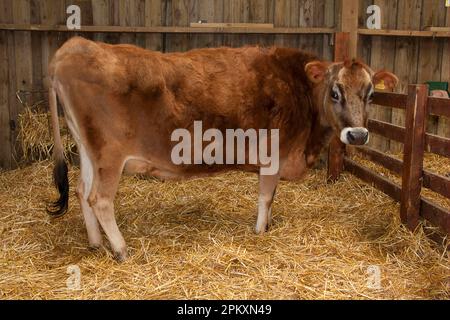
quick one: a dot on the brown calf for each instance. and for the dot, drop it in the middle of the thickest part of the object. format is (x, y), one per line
(123, 103)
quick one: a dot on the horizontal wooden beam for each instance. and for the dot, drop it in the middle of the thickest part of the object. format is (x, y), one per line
(432, 181)
(386, 129)
(436, 214)
(385, 185)
(392, 164)
(123, 29)
(439, 106)
(437, 145)
(231, 25)
(440, 29)
(436, 106)
(432, 212)
(404, 33)
(436, 183)
(390, 99)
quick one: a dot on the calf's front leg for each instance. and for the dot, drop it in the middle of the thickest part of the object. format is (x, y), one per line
(267, 188)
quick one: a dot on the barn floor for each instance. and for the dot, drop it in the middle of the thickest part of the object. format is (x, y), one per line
(194, 240)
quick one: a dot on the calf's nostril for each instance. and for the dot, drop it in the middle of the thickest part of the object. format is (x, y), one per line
(350, 137)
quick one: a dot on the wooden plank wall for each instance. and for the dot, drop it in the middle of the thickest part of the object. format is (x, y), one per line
(24, 55)
(413, 60)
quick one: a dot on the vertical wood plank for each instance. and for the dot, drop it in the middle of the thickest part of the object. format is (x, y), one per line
(406, 56)
(139, 21)
(114, 7)
(211, 11)
(36, 45)
(336, 150)
(5, 132)
(24, 70)
(177, 16)
(328, 22)
(413, 155)
(260, 11)
(153, 18)
(444, 123)
(128, 17)
(306, 19)
(235, 11)
(319, 21)
(364, 43)
(286, 15)
(431, 50)
(52, 12)
(349, 23)
(382, 57)
(101, 14)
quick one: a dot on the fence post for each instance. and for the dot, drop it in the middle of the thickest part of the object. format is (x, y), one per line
(336, 150)
(416, 115)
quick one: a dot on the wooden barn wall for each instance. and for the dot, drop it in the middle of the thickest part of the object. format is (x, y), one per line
(24, 56)
(413, 60)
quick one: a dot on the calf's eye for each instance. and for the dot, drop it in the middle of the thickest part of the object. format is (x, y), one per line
(334, 95)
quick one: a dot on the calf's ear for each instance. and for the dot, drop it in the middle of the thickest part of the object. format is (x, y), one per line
(384, 80)
(316, 71)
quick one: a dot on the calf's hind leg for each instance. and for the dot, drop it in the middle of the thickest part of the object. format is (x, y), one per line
(83, 190)
(101, 199)
(90, 220)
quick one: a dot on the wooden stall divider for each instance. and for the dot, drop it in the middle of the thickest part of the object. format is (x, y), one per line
(416, 115)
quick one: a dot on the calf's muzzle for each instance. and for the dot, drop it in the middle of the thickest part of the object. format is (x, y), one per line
(355, 136)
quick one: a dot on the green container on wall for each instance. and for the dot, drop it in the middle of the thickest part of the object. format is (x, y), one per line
(436, 85)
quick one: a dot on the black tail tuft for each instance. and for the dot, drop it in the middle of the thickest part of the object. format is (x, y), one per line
(59, 207)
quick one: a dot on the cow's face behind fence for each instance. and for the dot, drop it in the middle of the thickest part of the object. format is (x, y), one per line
(347, 92)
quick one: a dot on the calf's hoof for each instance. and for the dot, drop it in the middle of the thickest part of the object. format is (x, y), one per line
(94, 247)
(121, 256)
(260, 230)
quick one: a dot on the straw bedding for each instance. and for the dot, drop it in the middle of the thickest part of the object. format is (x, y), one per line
(194, 239)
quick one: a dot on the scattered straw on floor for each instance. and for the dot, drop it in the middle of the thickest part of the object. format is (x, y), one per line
(194, 239)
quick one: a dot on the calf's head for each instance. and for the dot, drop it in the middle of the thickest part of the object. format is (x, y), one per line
(347, 90)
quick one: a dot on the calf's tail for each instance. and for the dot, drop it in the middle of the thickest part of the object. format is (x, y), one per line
(59, 207)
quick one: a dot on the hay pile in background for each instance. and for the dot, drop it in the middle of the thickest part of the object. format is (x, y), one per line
(35, 135)
(194, 239)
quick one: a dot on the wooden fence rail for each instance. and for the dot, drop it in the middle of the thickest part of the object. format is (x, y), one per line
(416, 141)
(432, 181)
